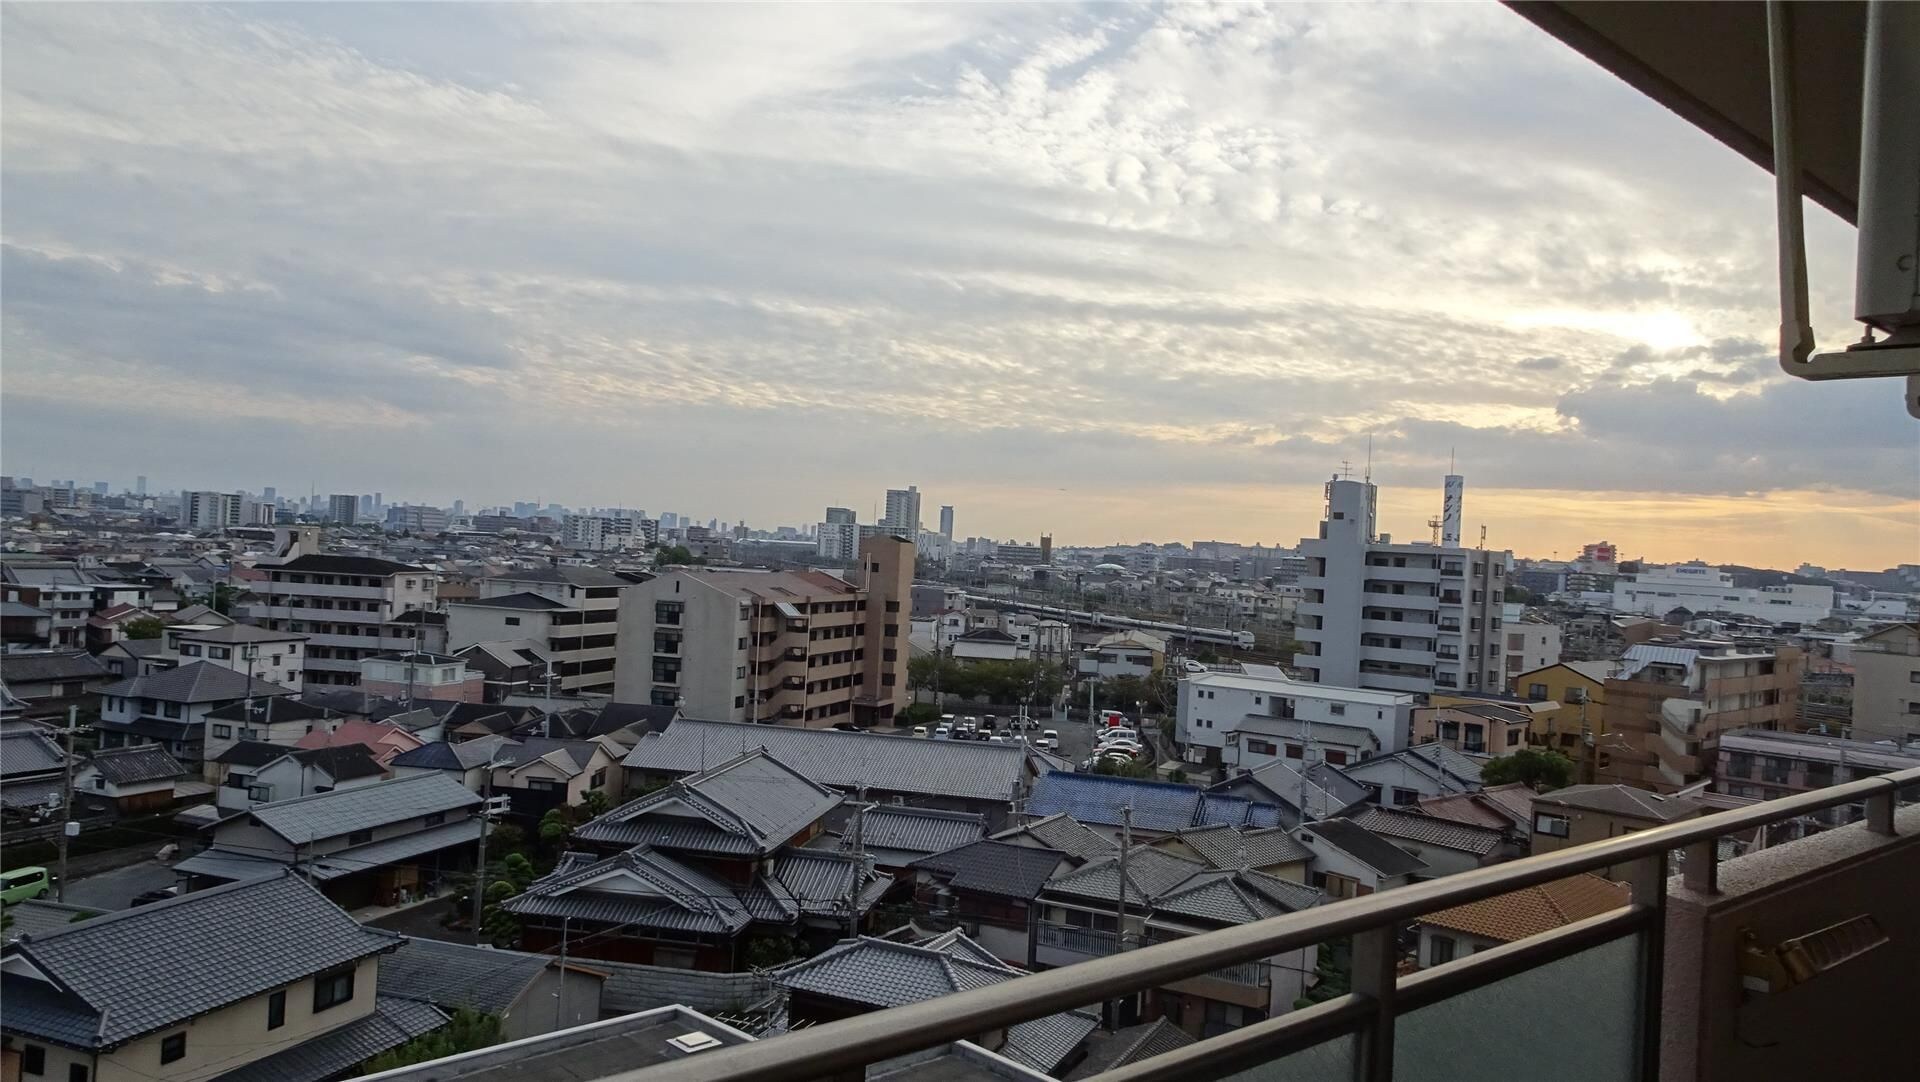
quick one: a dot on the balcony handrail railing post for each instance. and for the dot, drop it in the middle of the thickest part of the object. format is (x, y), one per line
(1374, 957)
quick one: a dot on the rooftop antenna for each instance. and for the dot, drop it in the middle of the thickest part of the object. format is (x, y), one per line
(1369, 474)
(1346, 470)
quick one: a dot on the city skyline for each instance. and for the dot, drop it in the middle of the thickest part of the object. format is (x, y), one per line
(1098, 272)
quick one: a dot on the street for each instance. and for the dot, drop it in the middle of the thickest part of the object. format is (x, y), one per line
(116, 889)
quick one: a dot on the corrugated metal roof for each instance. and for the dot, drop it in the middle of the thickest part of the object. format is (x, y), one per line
(328, 815)
(971, 770)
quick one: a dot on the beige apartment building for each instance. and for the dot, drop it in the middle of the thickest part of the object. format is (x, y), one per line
(788, 647)
(1668, 704)
(1886, 684)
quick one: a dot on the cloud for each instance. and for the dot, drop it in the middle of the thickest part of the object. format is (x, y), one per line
(1213, 245)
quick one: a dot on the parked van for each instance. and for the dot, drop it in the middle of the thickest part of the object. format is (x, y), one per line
(21, 884)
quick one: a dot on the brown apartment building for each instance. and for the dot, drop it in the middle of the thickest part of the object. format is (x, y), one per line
(785, 647)
(1667, 705)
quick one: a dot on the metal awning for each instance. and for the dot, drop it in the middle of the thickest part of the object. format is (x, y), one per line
(393, 850)
(787, 610)
(1707, 61)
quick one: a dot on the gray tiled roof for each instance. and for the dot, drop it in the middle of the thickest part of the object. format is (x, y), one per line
(141, 969)
(1363, 845)
(631, 987)
(995, 867)
(966, 769)
(570, 574)
(280, 708)
(574, 757)
(418, 843)
(132, 765)
(1432, 830)
(454, 975)
(29, 750)
(37, 916)
(1623, 800)
(1150, 873)
(750, 804)
(1226, 847)
(641, 887)
(513, 601)
(37, 667)
(343, 811)
(200, 682)
(1067, 834)
(1123, 1047)
(912, 832)
(394, 1022)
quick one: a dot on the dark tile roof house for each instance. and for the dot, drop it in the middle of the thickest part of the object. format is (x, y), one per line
(994, 867)
(394, 1022)
(281, 709)
(1450, 769)
(1158, 807)
(114, 979)
(1413, 826)
(253, 753)
(137, 764)
(455, 975)
(513, 601)
(302, 821)
(307, 819)
(1063, 832)
(1223, 846)
(29, 751)
(1623, 800)
(21, 670)
(877, 974)
(963, 769)
(37, 916)
(344, 565)
(1161, 882)
(1363, 845)
(200, 682)
(1124, 1047)
(747, 806)
(895, 835)
(341, 762)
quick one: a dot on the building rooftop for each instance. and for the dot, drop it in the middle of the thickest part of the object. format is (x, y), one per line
(1623, 800)
(1362, 845)
(1226, 847)
(344, 565)
(239, 633)
(894, 834)
(771, 586)
(42, 666)
(1532, 910)
(127, 974)
(511, 601)
(602, 1049)
(994, 867)
(1430, 830)
(200, 682)
(306, 819)
(579, 575)
(749, 805)
(136, 764)
(29, 750)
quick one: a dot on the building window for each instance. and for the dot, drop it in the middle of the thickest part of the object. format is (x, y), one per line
(1513, 737)
(76, 1072)
(33, 1059)
(360, 837)
(1537, 692)
(189, 650)
(1337, 758)
(171, 710)
(1554, 826)
(277, 1009)
(1294, 751)
(1439, 950)
(1337, 709)
(599, 779)
(513, 621)
(173, 1047)
(222, 732)
(1261, 747)
(332, 989)
(1404, 797)
(541, 785)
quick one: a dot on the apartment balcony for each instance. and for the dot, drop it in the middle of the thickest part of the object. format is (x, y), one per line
(794, 683)
(312, 589)
(1403, 574)
(795, 653)
(312, 614)
(1784, 963)
(1399, 656)
(1416, 683)
(1411, 602)
(1414, 628)
(1453, 571)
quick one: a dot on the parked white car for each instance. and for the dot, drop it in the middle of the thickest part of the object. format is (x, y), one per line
(920, 731)
(1049, 740)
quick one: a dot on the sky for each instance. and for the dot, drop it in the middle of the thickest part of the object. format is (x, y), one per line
(1109, 272)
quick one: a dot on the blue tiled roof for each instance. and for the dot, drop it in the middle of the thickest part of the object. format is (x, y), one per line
(1098, 798)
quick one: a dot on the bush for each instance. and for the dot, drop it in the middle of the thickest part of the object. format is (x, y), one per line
(467, 1031)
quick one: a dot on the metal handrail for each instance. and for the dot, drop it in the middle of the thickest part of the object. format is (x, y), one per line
(868, 1038)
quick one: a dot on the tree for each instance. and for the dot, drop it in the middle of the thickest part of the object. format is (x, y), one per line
(497, 926)
(467, 1031)
(146, 627)
(594, 804)
(767, 951)
(1541, 769)
(505, 838)
(555, 826)
(518, 870)
(1132, 768)
(675, 554)
(1517, 593)
(220, 598)
(1334, 970)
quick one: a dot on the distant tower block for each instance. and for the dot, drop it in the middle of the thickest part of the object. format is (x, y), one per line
(1456, 488)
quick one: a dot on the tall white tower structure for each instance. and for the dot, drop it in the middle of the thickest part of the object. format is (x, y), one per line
(1456, 487)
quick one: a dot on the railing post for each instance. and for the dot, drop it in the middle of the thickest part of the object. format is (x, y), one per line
(1374, 959)
(1702, 872)
(1880, 813)
(1647, 878)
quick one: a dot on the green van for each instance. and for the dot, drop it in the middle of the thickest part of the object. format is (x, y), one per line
(21, 884)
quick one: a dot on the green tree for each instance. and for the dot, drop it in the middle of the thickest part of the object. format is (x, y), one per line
(1334, 970)
(675, 554)
(1540, 768)
(555, 827)
(497, 926)
(220, 598)
(146, 627)
(594, 804)
(518, 870)
(923, 671)
(1516, 592)
(1132, 768)
(467, 1031)
(505, 838)
(767, 951)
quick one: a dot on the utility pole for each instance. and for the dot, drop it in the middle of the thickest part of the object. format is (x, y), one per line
(560, 993)
(480, 869)
(1120, 904)
(859, 865)
(67, 826)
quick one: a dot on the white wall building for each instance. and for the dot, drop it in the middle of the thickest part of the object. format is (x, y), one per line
(1221, 710)
(346, 606)
(601, 533)
(1529, 644)
(903, 511)
(1397, 617)
(1655, 590)
(837, 540)
(274, 656)
(212, 510)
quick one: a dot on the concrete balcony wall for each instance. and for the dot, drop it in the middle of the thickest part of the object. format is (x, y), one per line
(1853, 1021)
(1408, 601)
(1404, 657)
(1419, 629)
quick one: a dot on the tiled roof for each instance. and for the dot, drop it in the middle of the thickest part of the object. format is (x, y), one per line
(344, 565)
(465, 755)
(640, 887)
(141, 969)
(1122, 1047)
(1531, 910)
(570, 574)
(750, 804)
(1097, 798)
(1447, 767)
(915, 831)
(38, 916)
(132, 765)
(394, 1022)
(572, 758)
(35, 667)
(29, 750)
(970, 770)
(1067, 834)
(994, 867)
(281, 708)
(1430, 830)
(512, 601)
(1623, 800)
(1226, 847)
(1150, 873)
(454, 975)
(328, 815)
(1362, 845)
(239, 633)
(200, 682)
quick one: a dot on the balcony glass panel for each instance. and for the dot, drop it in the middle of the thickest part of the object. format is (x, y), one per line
(1323, 1062)
(1575, 1019)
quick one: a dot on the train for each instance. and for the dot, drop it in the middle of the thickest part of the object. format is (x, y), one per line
(1216, 636)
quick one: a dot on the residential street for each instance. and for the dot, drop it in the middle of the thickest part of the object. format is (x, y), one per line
(116, 889)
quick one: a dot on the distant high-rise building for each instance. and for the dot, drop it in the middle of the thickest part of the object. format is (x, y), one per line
(837, 540)
(99, 488)
(379, 501)
(211, 510)
(840, 516)
(903, 511)
(459, 508)
(946, 521)
(669, 520)
(342, 509)
(270, 495)
(140, 485)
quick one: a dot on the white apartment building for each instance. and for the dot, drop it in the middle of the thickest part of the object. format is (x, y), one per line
(578, 626)
(601, 533)
(1253, 717)
(346, 606)
(343, 509)
(837, 540)
(1656, 590)
(903, 511)
(211, 510)
(1530, 644)
(1412, 617)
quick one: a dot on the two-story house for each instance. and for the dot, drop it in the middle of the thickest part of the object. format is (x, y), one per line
(261, 979)
(695, 865)
(362, 845)
(281, 719)
(132, 779)
(1350, 861)
(170, 707)
(270, 655)
(48, 682)
(250, 772)
(536, 773)
(987, 889)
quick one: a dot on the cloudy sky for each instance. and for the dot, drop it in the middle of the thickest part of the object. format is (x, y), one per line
(1113, 272)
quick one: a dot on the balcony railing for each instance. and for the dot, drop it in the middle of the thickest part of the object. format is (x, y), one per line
(1592, 989)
